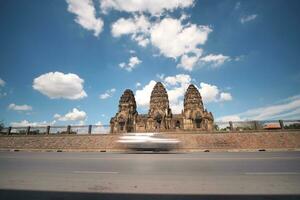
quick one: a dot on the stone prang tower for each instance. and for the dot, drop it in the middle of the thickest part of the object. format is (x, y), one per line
(194, 115)
(159, 115)
(124, 120)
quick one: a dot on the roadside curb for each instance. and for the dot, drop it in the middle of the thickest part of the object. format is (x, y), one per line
(174, 151)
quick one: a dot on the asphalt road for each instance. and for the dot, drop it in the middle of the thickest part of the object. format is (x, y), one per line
(149, 176)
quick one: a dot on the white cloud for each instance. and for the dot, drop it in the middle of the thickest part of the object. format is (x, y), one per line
(133, 61)
(86, 15)
(239, 58)
(24, 123)
(57, 85)
(176, 87)
(122, 65)
(133, 25)
(228, 118)
(2, 82)
(225, 96)
(74, 115)
(211, 93)
(182, 79)
(188, 62)
(184, 17)
(137, 27)
(141, 40)
(107, 94)
(138, 84)
(174, 39)
(142, 96)
(15, 107)
(248, 18)
(288, 109)
(215, 60)
(154, 7)
(132, 51)
(170, 36)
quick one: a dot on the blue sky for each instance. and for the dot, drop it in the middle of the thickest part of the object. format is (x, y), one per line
(68, 62)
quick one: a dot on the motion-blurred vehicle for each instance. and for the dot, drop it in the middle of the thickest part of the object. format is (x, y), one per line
(148, 142)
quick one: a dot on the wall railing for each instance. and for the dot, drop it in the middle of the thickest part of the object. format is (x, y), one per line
(221, 127)
(54, 130)
(257, 125)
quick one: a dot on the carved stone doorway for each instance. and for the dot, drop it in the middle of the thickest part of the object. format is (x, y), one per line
(198, 120)
(129, 126)
(158, 121)
(121, 126)
(177, 125)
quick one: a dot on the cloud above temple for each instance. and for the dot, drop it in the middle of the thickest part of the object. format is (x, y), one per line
(132, 63)
(248, 18)
(214, 60)
(142, 96)
(15, 107)
(177, 40)
(153, 7)
(107, 94)
(58, 85)
(86, 15)
(73, 115)
(171, 37)
(136, 26)
(211, 93)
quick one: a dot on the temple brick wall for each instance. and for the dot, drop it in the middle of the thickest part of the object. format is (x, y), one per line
(189, 141)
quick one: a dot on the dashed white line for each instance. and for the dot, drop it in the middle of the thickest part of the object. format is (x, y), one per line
(272, 173)
(94, 172)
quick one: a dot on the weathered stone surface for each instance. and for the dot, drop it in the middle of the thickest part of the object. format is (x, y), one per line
(159, 101)
(189, 141)
(124, 120)
(192, 98)
(160, 117)
(195, 117)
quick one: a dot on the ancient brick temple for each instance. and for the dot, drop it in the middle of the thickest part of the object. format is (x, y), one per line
(160, 117)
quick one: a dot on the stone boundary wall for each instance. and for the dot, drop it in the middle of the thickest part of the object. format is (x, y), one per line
(289, 140)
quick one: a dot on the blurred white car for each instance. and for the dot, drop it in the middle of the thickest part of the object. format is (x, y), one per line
(148, 142)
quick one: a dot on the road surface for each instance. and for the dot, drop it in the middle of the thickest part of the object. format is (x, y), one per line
(145, 175)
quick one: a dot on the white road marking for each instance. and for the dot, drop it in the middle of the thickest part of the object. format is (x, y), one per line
(272, 173)
(94, 172)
